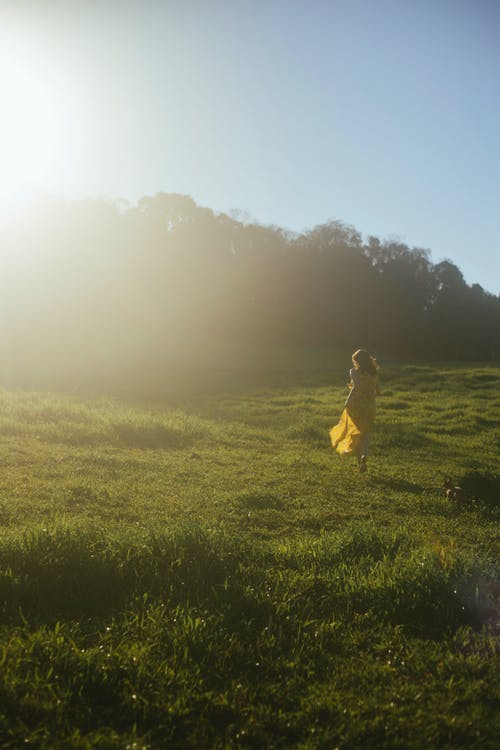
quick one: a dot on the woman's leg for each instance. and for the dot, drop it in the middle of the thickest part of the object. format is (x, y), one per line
(363, 451)
(364, 444)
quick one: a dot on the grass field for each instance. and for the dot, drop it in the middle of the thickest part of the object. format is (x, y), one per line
(199, 570)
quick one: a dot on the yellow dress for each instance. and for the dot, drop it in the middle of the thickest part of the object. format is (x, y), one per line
(351, 434)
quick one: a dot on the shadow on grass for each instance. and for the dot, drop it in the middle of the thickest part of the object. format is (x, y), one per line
(482, 489)
(401, 435)
(67, 573)
(70, 574)
(259, 500)
(394, 483)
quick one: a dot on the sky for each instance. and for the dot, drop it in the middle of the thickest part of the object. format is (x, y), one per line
(383, 114)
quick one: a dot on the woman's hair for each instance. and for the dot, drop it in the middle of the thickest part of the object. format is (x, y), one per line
(364, 361)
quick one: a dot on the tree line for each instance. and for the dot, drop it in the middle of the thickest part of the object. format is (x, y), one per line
(88, 281)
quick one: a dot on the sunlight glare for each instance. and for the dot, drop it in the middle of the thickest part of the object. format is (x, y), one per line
(31, 128)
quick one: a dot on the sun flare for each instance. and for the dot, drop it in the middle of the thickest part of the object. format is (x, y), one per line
(32, 138)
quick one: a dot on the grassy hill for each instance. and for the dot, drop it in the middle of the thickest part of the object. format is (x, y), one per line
(199, 569)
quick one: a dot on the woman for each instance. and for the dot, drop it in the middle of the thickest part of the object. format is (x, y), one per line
(352, 434)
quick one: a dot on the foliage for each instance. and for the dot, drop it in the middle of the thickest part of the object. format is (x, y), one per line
(93, 291)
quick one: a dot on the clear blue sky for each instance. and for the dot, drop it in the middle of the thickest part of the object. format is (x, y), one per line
(381, 113)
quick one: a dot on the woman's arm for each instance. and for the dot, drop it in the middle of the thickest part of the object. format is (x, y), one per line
(352, 385)
(354, 377)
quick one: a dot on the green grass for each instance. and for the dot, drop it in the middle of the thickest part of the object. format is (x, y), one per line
(199, 570)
